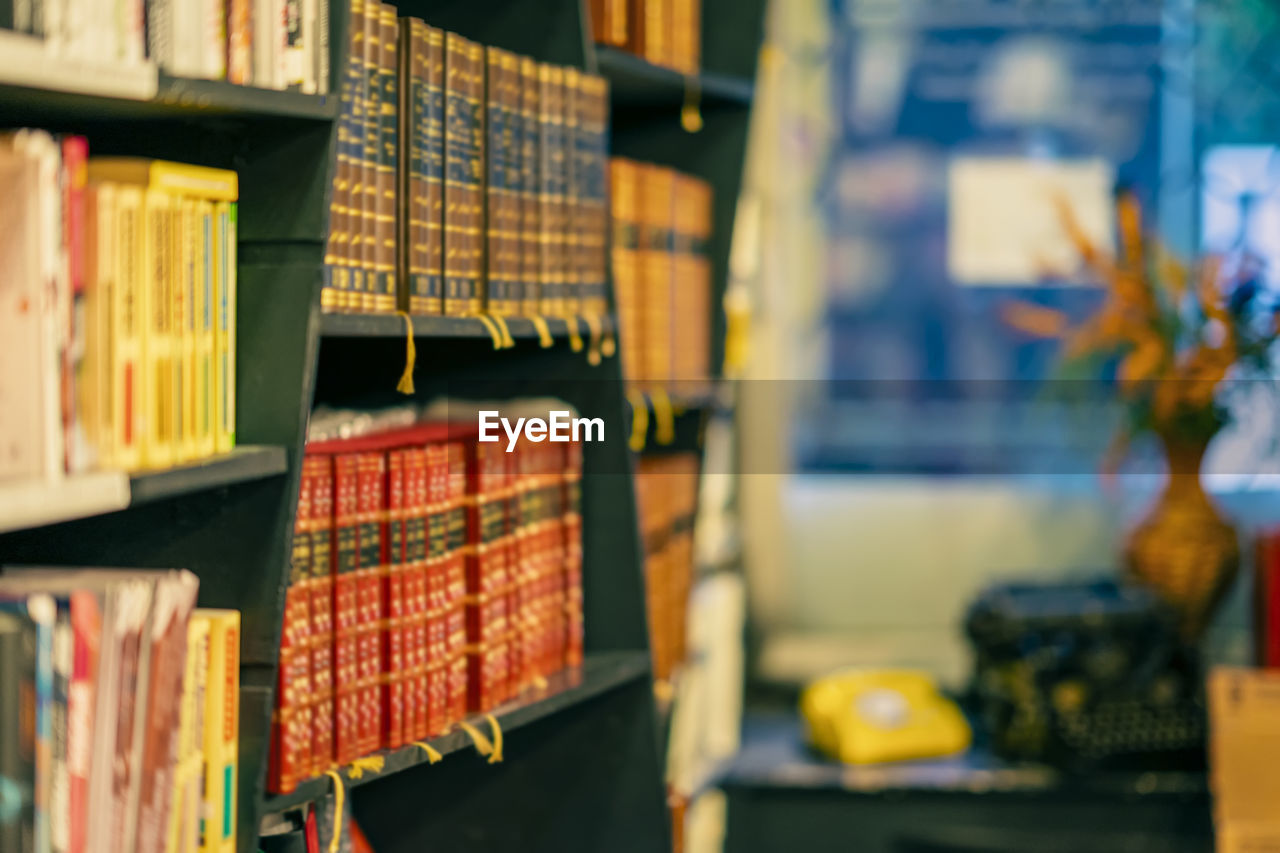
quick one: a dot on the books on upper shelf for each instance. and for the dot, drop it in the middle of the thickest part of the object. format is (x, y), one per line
(663, 32)
(432, 576)
(118, 725)
(469, 180)
(661, 272)
(272, 44)
(667, 496)
(117, 314)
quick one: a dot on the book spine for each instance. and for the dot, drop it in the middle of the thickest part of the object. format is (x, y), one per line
(345, 608)
(393, 622)
(209, 270)
(43, 613)
(289, 758)
(60, 788)
(371, 573)
(686, 35)
(598, 214)
(571, 218)
(190, 256)
(547, 285)
(616, 23)
(86, 626)
(18, 665)
(409, 158)
(388, 161)
(371, 119)
(213, 40)
(495, 188)
(125, 324)
(321, 526)
(530, 188)
(156, 329)
(453, 585)
(420, 560)
(92, 375)
(624, 195)
(429, 289)
(572, 526)
(239, 42)
(475, 230)
(352, 240)
(225, 329)
(457, 118)
(75, 152)
(323, 46)
(222, 727)
(512, 148)
(295, 42)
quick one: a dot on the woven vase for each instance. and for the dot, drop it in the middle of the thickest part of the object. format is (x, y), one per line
(1185, 549)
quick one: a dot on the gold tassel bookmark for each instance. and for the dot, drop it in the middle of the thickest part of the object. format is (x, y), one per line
(593, 332)
(544, 331)
(339, 798)
(691, 113)
(433, 754)
(575, 339)
(639, 420)
(369, 764)
(496, 757)
(493, 330)
(405, 385)
(507, 341)
(664, 418)
(482, 744)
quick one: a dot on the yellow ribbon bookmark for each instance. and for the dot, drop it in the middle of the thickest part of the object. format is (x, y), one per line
(507, 341)
(493, 330)
(593, 347)
(544, 332)
(664, 420)
(370, 764)
(690, 114)
(496, 757)
(405, 385)
(433, 754)
(608, 346)
(339, 795)
(639, 420)
(575, 339)
(482, 744)
(539, 683)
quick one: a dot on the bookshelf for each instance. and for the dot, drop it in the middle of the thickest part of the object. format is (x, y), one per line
(583, 768)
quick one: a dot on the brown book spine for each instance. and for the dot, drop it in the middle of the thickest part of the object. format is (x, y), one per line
(431, 295)
(598, 197)
(624, 178)
(512, 149)
(496, 285)
(530, 187)
(617, 23)
(572, 219)
(408, 159)
(475, 214)
(370, 140)
(650, 30)
(463, 184)
(596, 12)
(388, 160)
(686, 35)
(320, 469)
(657, 272)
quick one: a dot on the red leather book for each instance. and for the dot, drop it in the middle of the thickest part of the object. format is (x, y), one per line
(395, 558)
(289, 756)
(370, 573)
(519, 675)
(573, 555)
(345, 609)
(455, 582)
(487, 577)
(319, 471)
(435, 684)
(1267, 599)
(415, 593)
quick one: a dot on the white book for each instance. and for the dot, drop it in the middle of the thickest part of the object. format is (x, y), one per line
(322, 47)
(214, 40)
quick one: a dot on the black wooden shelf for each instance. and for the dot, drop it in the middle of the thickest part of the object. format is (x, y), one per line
(436, 326)
(239, 466)
(220, 97)
(635, 83)
(599, 674)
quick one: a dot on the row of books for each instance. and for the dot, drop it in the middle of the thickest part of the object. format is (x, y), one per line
(664, 32)
(433, 576)
(469, 180)
(661, 272)
(273, 44)
(117, 310)
(667, 498)
(119, 713)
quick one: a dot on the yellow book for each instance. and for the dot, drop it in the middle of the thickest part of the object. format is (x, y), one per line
(221, 731)
(224, 306)
(209, 267)
(125, 321)
(158, 376)
(184, 815)
(94, 384)
(184, 254)
(177, 178)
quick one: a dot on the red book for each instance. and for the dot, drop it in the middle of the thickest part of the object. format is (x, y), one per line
(455, 581)
(319, 470)
(487, 577)
(371, 492)
(345, 609)
(75, 160)
(86, 628)
(1267, 599)
(395, 558)
(289, 758)
(416, 595)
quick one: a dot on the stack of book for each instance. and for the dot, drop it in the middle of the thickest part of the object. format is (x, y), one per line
(664, 32)
(117, 310)
(661, 273)
(119, 706)
(667, 495)
(273, 44)
(469, 180)
(433, 575)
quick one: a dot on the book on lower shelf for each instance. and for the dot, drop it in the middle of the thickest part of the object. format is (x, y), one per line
(119, 311)
(133, 693)
(490, 165)
(454, 572)
(664, 32)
